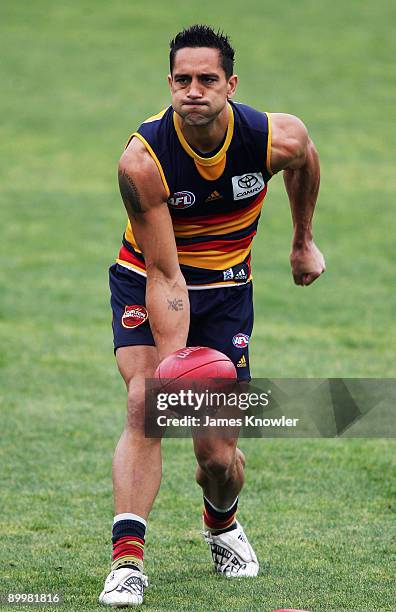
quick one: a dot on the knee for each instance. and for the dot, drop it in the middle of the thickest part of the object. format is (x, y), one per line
(135, 403)
(216, 464)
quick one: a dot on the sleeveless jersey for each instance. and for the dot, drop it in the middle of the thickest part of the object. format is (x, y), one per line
(214, 202)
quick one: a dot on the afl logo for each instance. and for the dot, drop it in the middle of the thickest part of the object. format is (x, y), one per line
(182, 199)
(240, 340)
(248, 181)
(133, 316)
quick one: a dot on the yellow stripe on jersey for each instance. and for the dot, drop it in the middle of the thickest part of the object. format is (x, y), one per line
(155, 158)
(213, 260)
(183, 230)
(141, 272)
(149, 120)
(206, 161)
(130, 237)
(157, 116)
(269, 143)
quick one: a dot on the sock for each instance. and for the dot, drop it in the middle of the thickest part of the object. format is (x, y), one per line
(219, 520)
(128, 541)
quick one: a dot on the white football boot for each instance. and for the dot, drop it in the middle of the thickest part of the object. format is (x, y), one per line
(123, 588)
(232, 554)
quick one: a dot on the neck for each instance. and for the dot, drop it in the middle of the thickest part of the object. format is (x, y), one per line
(206, 138)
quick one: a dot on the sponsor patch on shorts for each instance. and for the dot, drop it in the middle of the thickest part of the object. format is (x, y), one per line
(240, 340)
(133, 316)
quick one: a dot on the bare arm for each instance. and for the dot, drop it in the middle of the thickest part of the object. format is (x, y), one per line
(145, 198)
(294, 152)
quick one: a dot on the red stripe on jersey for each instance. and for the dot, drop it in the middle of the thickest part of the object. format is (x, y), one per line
(229, 216)
(126, 255)
(218, 245)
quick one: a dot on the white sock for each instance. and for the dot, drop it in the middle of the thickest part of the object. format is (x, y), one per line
(220, 509)
(128, 516)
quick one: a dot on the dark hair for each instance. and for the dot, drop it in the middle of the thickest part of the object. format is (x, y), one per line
(204, 36)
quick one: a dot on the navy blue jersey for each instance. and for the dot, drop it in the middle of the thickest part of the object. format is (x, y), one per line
(214, 201)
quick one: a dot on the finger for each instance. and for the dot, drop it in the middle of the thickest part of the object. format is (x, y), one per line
(308, 279)
(298, 279)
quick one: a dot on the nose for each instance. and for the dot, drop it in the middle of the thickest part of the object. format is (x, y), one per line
(195, 90)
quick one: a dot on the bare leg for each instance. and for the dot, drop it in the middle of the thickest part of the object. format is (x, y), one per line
(137, 463)
(220, 469)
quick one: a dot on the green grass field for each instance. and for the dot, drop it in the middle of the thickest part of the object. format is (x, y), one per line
(76, 79)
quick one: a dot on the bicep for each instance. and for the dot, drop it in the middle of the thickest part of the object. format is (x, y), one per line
(289, 142)
(139, 180)
(145, 199)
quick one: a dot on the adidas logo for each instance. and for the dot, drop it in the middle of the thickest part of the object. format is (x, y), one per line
(241, 275)
(242, 362)
(215, 195)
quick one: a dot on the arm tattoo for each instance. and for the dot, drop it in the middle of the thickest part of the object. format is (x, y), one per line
(176, 304)
(129, 193)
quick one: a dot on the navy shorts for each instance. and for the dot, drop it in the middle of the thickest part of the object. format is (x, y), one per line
(219, 318)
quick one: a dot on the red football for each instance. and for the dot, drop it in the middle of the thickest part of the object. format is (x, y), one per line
(196, 362)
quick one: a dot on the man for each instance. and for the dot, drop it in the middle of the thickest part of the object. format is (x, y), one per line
(193, 179)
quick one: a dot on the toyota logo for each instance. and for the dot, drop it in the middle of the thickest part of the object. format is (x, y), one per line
(248, 181)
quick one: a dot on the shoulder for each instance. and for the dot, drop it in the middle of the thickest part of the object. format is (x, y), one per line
(140, 158)
(250, 116)
(152, 126)
(289, 140)
(141, 168)
(287, 127)
(157, 124)
(136, 157)
(158, 116)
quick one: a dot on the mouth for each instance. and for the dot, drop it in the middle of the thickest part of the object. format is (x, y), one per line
(194, 104)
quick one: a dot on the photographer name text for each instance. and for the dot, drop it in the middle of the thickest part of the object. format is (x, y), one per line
(208, 421)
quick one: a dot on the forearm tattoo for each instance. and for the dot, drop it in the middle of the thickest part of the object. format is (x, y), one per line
(175, 304)
(129, 193)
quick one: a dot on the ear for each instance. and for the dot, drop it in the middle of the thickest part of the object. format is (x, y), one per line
(232, 85)
(170, 80)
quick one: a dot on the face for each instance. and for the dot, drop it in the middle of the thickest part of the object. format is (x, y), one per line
(198, 84)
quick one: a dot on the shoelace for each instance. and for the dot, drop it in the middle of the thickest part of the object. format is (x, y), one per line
(144, 580)
(209, 539)
(136, 574)
(142, 577)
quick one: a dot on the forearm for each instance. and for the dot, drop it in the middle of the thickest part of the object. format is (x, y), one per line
(169, 310)
(302, 186)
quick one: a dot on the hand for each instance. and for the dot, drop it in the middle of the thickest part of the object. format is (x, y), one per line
(307, 263)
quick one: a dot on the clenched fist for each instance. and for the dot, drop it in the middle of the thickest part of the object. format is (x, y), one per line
(307, 263)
